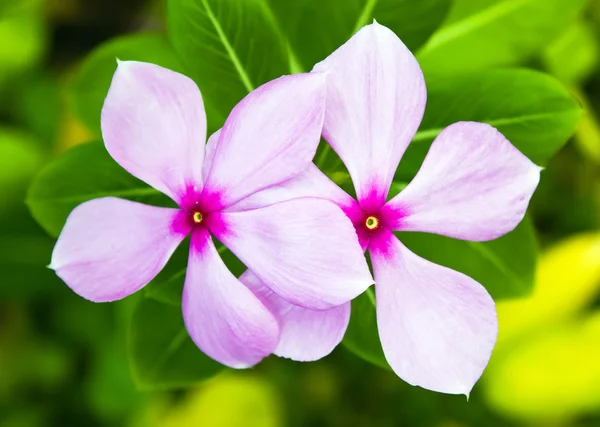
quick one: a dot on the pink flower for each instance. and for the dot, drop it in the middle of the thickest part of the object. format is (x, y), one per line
(305, 250)
(437, 326)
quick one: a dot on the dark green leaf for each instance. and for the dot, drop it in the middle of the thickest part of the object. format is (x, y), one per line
(161, 352)
(486, 33)
(316, 28)
(533, 110)
(83, 173)
(229, 47)
(94, 77)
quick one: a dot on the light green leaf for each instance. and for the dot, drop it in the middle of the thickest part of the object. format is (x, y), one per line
(83, 173)
(162, 354)
(480, 34)
(533, 110)
(229, 47)
(95, 74)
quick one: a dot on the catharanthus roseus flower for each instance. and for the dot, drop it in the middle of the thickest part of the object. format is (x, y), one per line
(437, 326)
(154, 126)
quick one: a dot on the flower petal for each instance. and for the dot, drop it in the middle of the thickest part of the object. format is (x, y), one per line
(109, 248)
(209, 153)
(375, 102)
(437, 326)
(223, 317)
(309, 183)
(154, 126)
(306, 250)
(473, 185)
(306, 335)
(269, 137)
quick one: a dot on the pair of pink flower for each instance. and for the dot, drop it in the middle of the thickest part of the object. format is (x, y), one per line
(254, 188)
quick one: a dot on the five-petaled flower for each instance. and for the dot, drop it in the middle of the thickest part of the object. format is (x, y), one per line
(305, 250)
(437, 326)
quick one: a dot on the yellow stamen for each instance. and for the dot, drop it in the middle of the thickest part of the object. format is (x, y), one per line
(372, 223)
(197, 217)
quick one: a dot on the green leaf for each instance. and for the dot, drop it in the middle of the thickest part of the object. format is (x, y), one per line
(83, 173)
(533, 110)
(505, 267)
(229, 47)
(486, 33)
(95, 74)
(162, 354)
(315, 28)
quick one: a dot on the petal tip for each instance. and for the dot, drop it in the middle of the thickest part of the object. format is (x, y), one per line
(241, 365)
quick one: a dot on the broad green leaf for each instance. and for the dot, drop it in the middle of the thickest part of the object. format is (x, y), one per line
(316, 28)
(533, 110)
(486, 33)
(162, 354)
(83, 173)
(573, 56)
(95, 74)
(229, 47)
(505, 267)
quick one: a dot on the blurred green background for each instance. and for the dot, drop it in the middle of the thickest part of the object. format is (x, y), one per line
(64, 361)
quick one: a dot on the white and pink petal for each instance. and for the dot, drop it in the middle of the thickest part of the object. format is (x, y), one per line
(375, 102)
(154, 126)
(311, 182)
(306, 335)
(110, 248)
(306, 250)
(473, 185)
(223, 317)
(269, 137)
(437, 326)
